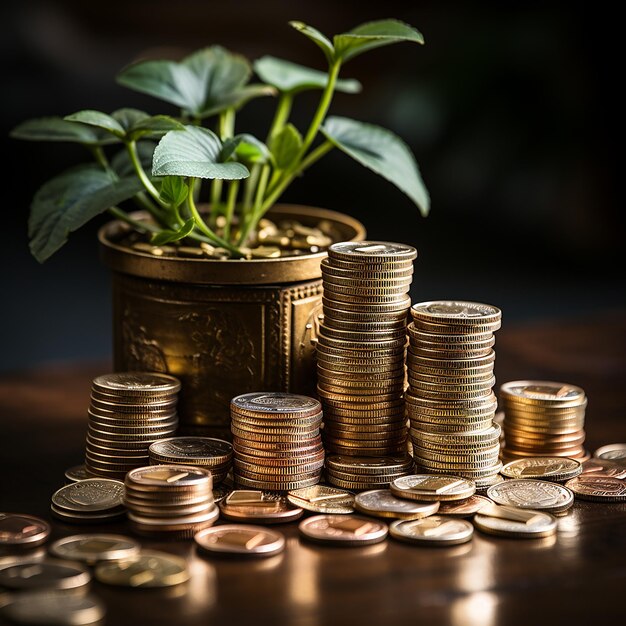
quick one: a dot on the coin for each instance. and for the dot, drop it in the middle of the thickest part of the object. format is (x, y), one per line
(139, 383)
(323, 499)
(43, 575)
(240, 540)
(156, 477)
(541, 524)
(432, 531)
(267, 508)
(612, 452)
(464, 508)
(457, 312)
(538, 495)
(602, 467)
(149, 568)
(598, 488)
(90, 495)
(430, 488)
(275, 404)
(347, 530)
(53, 607)
(368, 251)
(544, 468)
(92, 548)
(18, 530)
(382, 503)
(543, 392)
(76, 473)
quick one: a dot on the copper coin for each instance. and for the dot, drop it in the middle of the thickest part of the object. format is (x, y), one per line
(598, 488)
(464, 508)
(265, 508)
(347, 530)
(240, 540)
(21, 530)
(602, 467)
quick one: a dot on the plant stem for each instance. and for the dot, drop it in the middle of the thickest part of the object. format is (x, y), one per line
(283, 109)
(136, 224)
(251, 218)
(227, 124)
(202, 227)
(101, 159)
(233, 188)
(131, 146)
(250, 186)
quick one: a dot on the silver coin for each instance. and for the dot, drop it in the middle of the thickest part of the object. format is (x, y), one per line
(141, 382)
(191, 448)
(37, 574)
(90, 495)
(541, 525)
(92, 548)
(543, 391)
(427, 487)
(76, 473)
(539, 495)
(348, 530)
(382, 503)
(168, 476)
(240, 540)
(441, 311)
(376, 251)
(611, 452)
(276, 403)
(435, 530)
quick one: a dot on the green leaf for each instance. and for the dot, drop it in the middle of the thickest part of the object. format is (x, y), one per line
(122, 164)
(155, 126)
(168, 236)
(99, 120)
(373, 35)
(246, 148)
(381, 151)
(292, 78)
(200, 84)
(194, 152)
(318, 38)
(127, 118)
(285, 146)
(238, 99)
(174, 190)
(67, 202)
(58, 129)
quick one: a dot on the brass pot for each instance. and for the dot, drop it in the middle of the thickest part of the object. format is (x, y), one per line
(222, 327)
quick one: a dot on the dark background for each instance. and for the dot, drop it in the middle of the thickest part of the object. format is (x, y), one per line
(510, 108)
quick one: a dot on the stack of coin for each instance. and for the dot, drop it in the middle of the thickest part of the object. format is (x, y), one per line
(450, 401)
(128, 412)
(361, 347)
(173, 501)
(276, 440)
(212, 454)
(364, 473)
(543, 418)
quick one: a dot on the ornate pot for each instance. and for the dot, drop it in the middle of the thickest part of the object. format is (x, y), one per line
(222, 327)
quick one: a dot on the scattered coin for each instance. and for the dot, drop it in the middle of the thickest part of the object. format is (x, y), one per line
(382, 503)
(347, 530)
(46, 574)
(240, 540)
(598, 488)
(260, 507)
(92, 499)
(92, 548)
(554, 469)
(430, 488)
(612, 452)
(432, 531)
(513, 522)
(53, 607)
(602, 467)
(20, 530)
(149, 568)
(464, 508)
(76, 473)
(538, 495)
(323, 499)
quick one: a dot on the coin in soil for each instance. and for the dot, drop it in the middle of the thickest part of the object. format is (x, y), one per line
(556, 469)
(240, 540)
(539, 495)
(149, 568)
(53, 607)
(136, 383)
(18, 530)
(91, 495)
(506, 521)
(259, 507)
(43, 575)
(464, 508)
(598, 488)
(382, 503)
(432, 531)
(94, 547)
(75, 473)
(613, 452)
(426, 487)
(343, 530)
(323, 499)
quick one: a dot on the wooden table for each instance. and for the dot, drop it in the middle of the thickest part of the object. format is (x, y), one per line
(578, 577)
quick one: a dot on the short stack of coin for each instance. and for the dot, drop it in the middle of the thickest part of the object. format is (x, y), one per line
(543, 418)
(364, 473)
(450, 401)
(212, 454)
(128, 412)
(276, 440)
(173, 501)
(361, 347)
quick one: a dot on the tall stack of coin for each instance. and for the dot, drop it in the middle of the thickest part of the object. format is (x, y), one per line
(450, 400)
(212, 454)
(128, 412)
(174, 501)
(361, 347)
(276, 440)
(543, 418)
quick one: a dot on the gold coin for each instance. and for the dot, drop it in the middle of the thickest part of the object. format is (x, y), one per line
(544, 468)
(276, 486)
(366, 306)
(455, 329)
(426, 488)
(438, 361)
(469, 474)
(543, 393)
(454, 338)
(367, 317)
(136, 383)
(147, 569)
